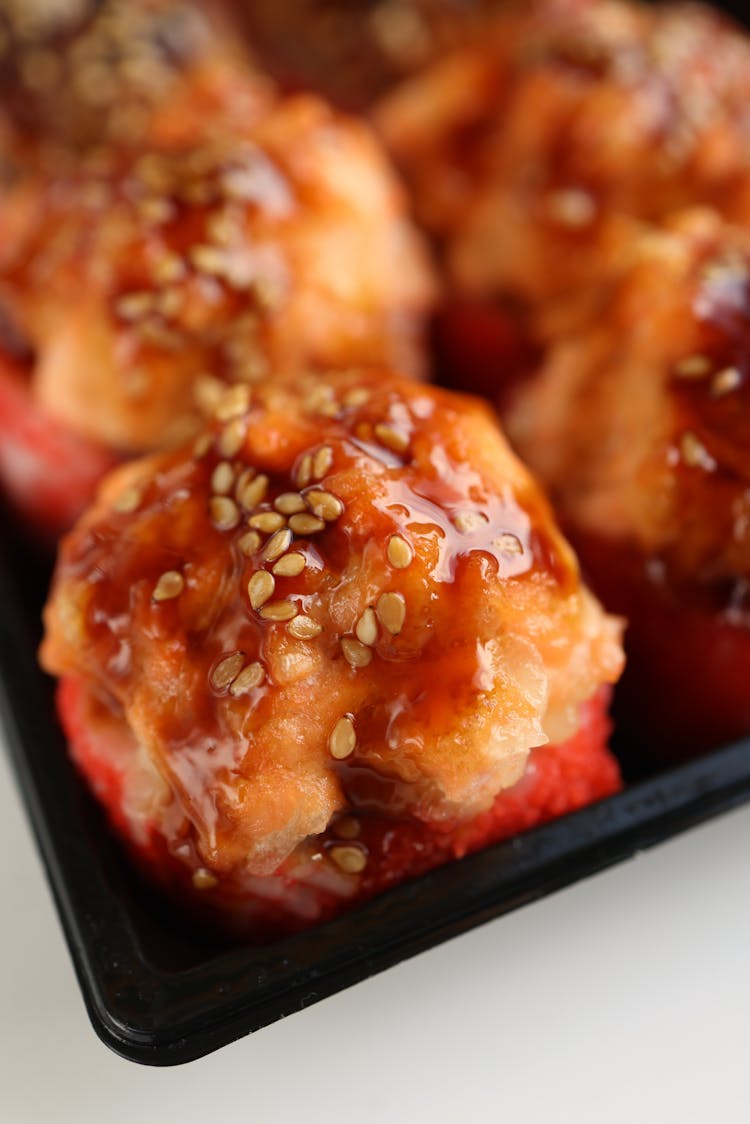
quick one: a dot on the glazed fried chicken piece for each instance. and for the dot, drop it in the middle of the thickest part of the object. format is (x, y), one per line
(533, 155)
(639, 423)
(347, 600)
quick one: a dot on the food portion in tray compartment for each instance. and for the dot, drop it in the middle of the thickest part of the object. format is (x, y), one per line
(232, 240)
(534, 156)
(639, 423)
(333, 643)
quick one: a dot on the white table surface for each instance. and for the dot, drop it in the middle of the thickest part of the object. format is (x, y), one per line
(624, 998)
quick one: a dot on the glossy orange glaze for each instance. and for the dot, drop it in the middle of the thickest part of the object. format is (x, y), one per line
(445, 631)
(535, 154)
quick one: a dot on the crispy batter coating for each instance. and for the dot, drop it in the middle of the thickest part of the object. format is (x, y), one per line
(146, 280)
(533, 154)
(639, 421)
(348, 593)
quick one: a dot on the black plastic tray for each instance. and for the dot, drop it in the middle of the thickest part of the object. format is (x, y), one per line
(160, 993)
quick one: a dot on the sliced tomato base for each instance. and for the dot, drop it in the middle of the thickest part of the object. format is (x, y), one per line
(47, 471)
(310, 886)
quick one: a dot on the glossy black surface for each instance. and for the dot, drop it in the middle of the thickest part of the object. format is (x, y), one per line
(161, 993)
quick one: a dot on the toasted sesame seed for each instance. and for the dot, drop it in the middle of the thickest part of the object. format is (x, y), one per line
(278, 544)
(290, 503)
(202, 445)
(467, 522)
(290, 565)
(305, 524)
(343, 739)
(232, 437)
(350, 859)
(127, 501)
(248, 679)
(168, 268)
(208, 392)
(260, 588)
(367, 627)
(222, 478)
(355, 653)
(391, 611)
(267, 521)
(695, 454)
(400, 553)
(226, 671)
(322, 462)
(304, 471)
(253, 492)
(693, 367)
(170, 584)
(132, 306)
(224, 513)
(249, 543)
(234, 402)
(325, 505)
(356, 397)
(207, 259)
(203, 879)
(347, 827)
(725, 381)
(279, 611)
(508, 543)
(393, 439)
(304, 628)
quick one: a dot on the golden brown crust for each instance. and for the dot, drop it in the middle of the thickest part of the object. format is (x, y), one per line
(347, 592)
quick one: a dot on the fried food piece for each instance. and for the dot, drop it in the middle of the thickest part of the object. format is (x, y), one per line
(639, 423)
(349, 597)
(353, 52)
(143, 282)
(533, 155)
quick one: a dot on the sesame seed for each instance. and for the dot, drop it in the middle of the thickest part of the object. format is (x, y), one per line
(290, 565)
(170, 584)
(467, 522)
(343, 739)
(367, 627)
(724, 382)
(260, 588)
(391, 611)
(234, 402)
(356, 397)
(207, 259)
(393, 439)
(279, 611)
(350, 859)
(232, 437)
(305, 524)
(355, 653)
(208, 392)
(249, 543)
(695, 454)
(693, 367)
(267, 521)
(202, 445)
(347, 827)
(322, 462)
(277, 545)
(226, 671)
(204, 880)
(132, 306)
(325, 505)
(224, 513)
(400, 553)
(168, 269)
(304, 471)
(248, 679)
(222, 478)
(127, 501)
(290, 503)
(508, 543)
(304, 628)
(253, 492)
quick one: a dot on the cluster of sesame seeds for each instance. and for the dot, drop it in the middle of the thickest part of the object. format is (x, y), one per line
(233, 674)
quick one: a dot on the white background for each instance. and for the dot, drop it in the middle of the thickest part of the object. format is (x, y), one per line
(624, 998)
